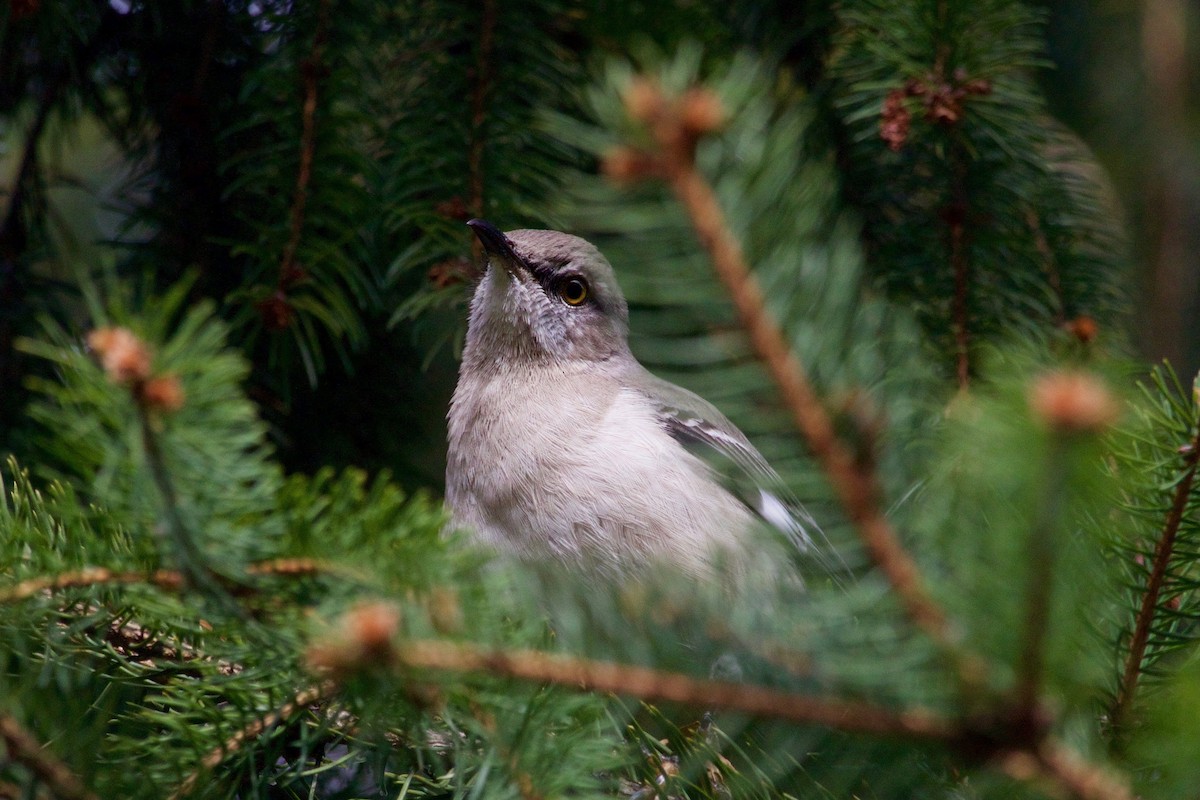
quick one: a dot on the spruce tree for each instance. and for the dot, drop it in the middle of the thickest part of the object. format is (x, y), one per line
(233, 275)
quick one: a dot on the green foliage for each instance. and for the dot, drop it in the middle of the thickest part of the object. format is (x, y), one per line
(1153, 459)
(181, 615)
(984, 214)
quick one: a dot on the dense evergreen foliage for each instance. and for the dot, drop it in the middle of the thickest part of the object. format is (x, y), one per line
(233, 277)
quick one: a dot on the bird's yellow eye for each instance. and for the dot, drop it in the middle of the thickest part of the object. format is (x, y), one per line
(574, 291)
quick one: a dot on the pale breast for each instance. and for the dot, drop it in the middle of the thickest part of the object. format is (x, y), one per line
(575, 467)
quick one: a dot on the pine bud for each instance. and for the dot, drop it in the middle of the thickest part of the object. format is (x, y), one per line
(700, 111)
(1073, 402)
(363, 639)
(164, 393)
(1083, 328)
(628, 165)
(895, 120)
(124, 357)
(644, 101)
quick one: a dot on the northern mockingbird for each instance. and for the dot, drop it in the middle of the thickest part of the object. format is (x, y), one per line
(562, 444)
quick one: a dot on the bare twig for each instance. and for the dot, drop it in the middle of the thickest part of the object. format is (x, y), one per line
(22, 747)
(305, 697)
(1154, 584)
(659, 685)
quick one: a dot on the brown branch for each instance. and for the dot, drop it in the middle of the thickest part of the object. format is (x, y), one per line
(1078, 776)
(1158, 571)
(306, 697)
(1042, 550)
(1042, 758)
(91, 576)
(22, 747)
(658, 686)
(484, 67)
(171, 580)
(1049, 265)
(962, 336)
(855, 487)
(310, 70)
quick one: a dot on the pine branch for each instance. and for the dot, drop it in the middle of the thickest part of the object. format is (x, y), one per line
(310, 70)
(1154, 585)
(1042, 549)
(170, 580)
(1050, 263)
(22, 747)
(301, 700)
(189, 554)
(484, 76)
(653, 685)
(962, 285)
(1039, 757)
(676, 131)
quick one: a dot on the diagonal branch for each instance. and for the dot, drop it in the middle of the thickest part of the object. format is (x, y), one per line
(22, 747)
(1154, 584)
(855, 486)
(301, 700)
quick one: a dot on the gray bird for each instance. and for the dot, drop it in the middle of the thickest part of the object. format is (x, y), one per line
(561, 444)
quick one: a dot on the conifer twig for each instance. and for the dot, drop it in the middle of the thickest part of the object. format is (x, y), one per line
(23, 747)
(1081, 778)
(1041, 758)
(676, 131)
(1037, 593)
(91, 576)
(1049, 264)
(191, 557)
(305, 697)
(1154, 583)
(962, 335)
(655, 685)
(171, 580)
(311, 72)
(479, 97)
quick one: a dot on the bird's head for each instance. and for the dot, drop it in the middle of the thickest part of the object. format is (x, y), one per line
(546, 295)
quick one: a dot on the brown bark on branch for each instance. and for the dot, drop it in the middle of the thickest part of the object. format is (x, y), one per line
(655, 685)
(1154, 584)
(21, 747)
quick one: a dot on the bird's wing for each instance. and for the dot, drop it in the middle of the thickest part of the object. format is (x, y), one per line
(699, 426)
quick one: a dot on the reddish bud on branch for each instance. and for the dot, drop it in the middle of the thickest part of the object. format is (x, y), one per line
(1073, 402)
(124, 357)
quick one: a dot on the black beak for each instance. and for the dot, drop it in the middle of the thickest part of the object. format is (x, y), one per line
(494, 242)
(499, 249)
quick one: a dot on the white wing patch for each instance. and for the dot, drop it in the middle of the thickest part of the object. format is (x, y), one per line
(772, 509)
